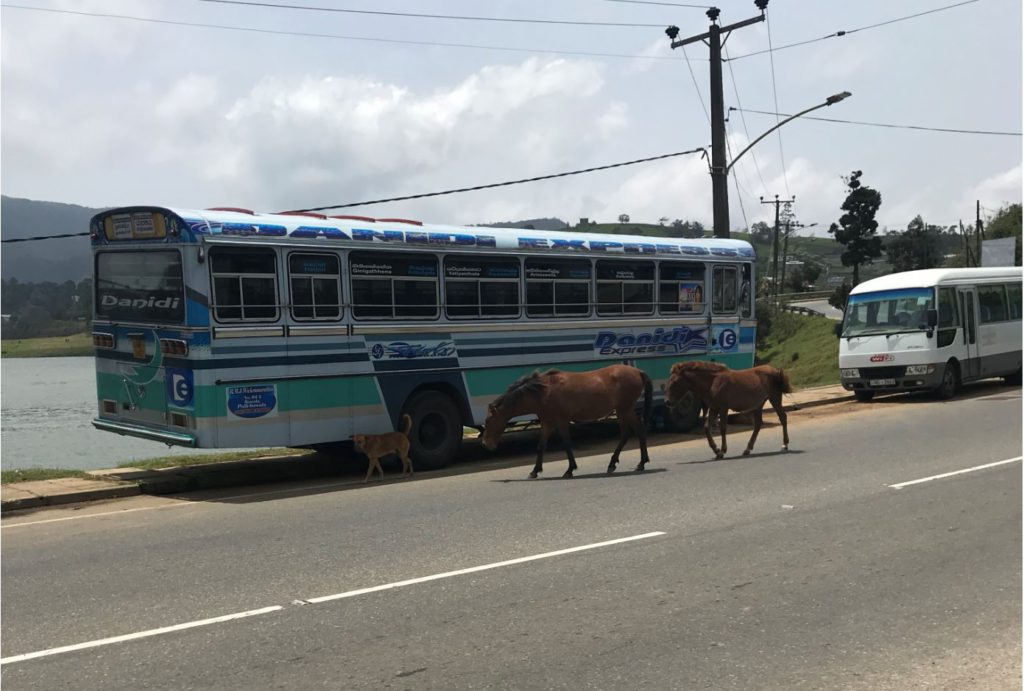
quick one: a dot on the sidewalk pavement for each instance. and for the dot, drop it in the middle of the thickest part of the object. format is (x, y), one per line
(123, 482)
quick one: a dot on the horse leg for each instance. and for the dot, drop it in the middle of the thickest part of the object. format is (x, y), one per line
(758, 419)
(723, 417)
(545, 432)
(641, 435)
(623, 437)
(776, 402)
(712, 412)
(563, 431)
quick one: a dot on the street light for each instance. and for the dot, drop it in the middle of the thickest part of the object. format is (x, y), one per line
(831, 100)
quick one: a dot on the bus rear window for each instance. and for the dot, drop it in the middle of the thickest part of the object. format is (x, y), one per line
(140, 286)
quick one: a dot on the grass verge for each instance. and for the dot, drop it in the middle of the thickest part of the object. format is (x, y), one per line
(806, 347)
(56, 346)
(33, 474)
(204, 459)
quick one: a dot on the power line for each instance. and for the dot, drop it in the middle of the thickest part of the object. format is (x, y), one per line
(437, 194)
(838, 34)
(775, 95)
(743, 118)
(668, 4)
(882, 124)
(417, 15)
(304, 34)
(695, 86)
(44, 237)
(503, 184)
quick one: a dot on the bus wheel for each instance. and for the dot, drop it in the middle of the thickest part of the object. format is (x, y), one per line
(863, 396)
(950, 381)
(1013, 379)
(682, 418)
(436, 433)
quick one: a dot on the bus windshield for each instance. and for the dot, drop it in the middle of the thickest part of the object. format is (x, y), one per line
(888, 312)
(140, 286)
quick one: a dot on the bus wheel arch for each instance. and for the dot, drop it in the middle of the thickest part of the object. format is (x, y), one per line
(950, 380)
(438, 416)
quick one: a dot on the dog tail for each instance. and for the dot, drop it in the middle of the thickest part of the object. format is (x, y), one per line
(406, 425)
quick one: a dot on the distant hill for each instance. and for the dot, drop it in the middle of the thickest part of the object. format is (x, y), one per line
(63, 259)
(535, 223)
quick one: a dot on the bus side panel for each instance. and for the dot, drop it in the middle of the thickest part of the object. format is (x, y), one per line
(999, 348)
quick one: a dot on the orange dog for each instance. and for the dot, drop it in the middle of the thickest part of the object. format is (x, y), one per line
(375, 446)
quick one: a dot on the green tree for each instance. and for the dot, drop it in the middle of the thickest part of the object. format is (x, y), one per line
(918, 247)
(760, 232)
(857, 228)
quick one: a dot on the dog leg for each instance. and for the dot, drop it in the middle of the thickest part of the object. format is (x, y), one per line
(369, 470)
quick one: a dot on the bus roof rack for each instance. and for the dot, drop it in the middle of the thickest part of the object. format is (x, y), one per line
(400, 220)
(236, 209)
(356, 218)
(301, 213)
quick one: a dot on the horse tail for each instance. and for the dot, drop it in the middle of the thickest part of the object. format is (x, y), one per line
(648, 396)
(782, 380)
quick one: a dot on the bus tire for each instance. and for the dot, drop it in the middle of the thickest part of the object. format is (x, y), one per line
(950, 381)
(863, 396)
(436, 434)
(1013, 379)
(683, 418)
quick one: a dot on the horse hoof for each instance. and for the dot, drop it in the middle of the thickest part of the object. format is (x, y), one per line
(611, 469)
(533, 476)
(785, 447)
(567, 475)
(719, 455)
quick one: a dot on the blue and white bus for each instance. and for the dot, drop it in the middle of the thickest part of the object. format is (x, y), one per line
(225, 328)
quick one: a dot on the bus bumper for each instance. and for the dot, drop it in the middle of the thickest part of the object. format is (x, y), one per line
(169, 438)
(893, 382)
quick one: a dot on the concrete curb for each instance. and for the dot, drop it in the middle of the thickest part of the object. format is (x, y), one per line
(133, 481)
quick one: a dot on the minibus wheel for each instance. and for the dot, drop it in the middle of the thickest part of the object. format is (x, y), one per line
(950, 381)
(436, 434)
(681, 418)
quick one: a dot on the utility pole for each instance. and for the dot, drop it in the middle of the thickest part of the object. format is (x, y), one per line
(775, 243)
(790, 225)
(978, 228)
(719, 166)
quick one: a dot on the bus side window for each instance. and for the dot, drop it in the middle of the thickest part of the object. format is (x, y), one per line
(390, 285)
(723, 290)
(315, 281)
(681, 288)
(557, 287)
(992, 301)
(949, 317)
(625, 287)
(1013, 293)
(477, 287)
(244, 283)
(746, 296)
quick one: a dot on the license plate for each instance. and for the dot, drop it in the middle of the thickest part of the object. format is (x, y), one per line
(882, 382)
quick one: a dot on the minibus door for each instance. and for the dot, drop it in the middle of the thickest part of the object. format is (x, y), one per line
(970, 364)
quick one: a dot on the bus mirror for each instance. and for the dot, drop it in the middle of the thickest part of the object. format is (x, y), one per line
(838, 328)
(933, 318)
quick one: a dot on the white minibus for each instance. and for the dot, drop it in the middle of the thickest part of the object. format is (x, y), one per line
(931, 330)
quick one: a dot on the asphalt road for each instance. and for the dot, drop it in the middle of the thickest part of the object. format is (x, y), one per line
(822, 307)
(805, 569)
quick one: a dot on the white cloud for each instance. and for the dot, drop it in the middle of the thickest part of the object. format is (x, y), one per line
(998, 190)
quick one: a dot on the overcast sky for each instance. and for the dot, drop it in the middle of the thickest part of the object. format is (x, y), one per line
(102, 111)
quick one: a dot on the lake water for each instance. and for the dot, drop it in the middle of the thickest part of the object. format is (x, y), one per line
(46, 411)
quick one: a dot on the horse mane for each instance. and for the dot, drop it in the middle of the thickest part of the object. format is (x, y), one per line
(532, 383)
(698, 366)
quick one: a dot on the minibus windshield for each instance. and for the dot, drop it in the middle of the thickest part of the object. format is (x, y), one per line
(888, 312)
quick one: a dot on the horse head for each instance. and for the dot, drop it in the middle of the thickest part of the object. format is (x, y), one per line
(494, 427)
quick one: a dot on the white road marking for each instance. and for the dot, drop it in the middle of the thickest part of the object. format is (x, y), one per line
(901, 485)
(312, 600)
(134, 636)
(474, 569)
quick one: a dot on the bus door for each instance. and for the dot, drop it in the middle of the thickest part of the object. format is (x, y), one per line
(970, 366)
(320, 349)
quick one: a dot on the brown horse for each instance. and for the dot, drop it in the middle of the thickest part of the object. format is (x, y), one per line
(558, 398)
(744, 391)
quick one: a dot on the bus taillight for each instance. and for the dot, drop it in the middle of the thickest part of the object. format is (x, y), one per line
(102, 340)
(173, 346)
